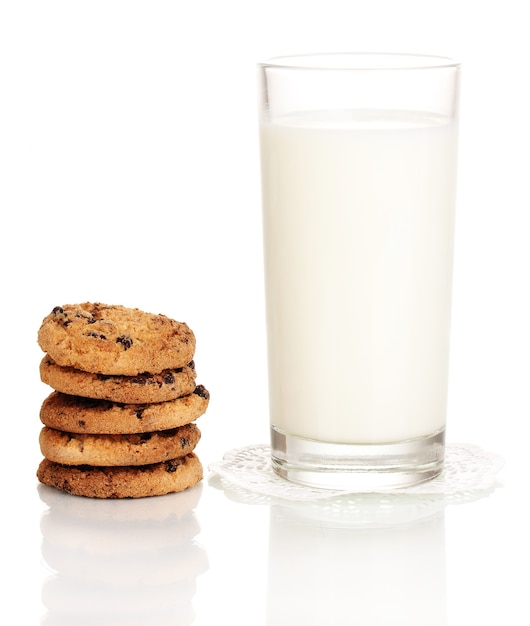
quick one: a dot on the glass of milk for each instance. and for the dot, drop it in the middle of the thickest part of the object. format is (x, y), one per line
(358, 159)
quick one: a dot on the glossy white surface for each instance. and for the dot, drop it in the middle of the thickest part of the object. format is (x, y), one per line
(219, 553)
(129, 169)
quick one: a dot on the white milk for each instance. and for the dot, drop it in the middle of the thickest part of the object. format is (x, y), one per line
(358, 230)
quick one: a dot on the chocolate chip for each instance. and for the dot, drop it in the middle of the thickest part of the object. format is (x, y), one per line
(169, 379)
(171, 466)
(96, 335)
(126, 341)
(184, 441)
(201, 391)
(81, 423)
(61, 316)
(139, 413)
(139, 380)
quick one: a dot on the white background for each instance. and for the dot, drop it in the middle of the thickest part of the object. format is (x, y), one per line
(129, 174)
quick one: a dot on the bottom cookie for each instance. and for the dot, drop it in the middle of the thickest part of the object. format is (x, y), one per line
(122, 482)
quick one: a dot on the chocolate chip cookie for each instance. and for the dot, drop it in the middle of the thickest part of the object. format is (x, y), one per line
(123, 482)
(141, 388)
(75, 414)
(113, 450)
(113, 339)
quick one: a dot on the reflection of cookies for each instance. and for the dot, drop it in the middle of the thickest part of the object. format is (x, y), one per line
(113, 339)
(131, 449)
(75, 414)
(125, 513)
(71, 602)
(74, 533)
(166, 385)
(123, 482)
(148, 567)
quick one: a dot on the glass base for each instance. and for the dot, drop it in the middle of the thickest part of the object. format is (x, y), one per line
(357, 467)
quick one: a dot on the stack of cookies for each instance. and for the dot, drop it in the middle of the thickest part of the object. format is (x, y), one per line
(120, 421)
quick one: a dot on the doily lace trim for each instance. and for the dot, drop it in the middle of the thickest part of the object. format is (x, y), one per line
(468, 471)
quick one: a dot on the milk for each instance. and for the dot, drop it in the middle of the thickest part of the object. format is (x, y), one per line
(358, 233)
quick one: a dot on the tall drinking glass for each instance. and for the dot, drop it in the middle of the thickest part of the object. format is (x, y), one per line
(358, 157)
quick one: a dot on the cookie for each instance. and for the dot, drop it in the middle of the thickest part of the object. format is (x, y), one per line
(123, 482)
(113, 339)
(140, 389)
(114, 450)
(75, 414)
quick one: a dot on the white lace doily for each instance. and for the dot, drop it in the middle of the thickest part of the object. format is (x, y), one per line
(468, 470)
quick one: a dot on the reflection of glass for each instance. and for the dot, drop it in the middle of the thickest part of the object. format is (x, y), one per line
(122, 561)
(371, 560)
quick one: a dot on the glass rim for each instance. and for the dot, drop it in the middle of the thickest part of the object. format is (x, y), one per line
(358, 61)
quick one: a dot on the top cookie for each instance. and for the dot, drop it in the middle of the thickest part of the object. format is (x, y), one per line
(113, 339)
